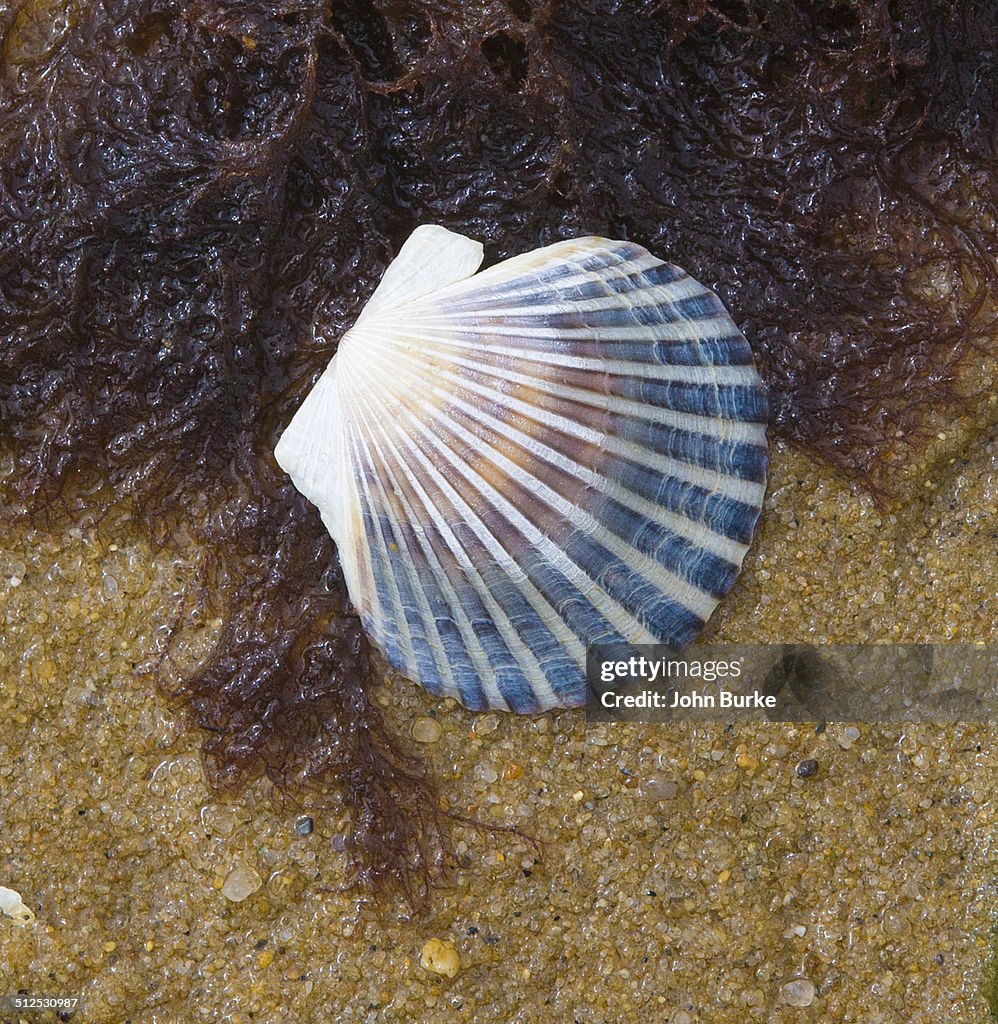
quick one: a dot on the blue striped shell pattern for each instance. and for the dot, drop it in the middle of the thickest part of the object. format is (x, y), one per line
(568, 448)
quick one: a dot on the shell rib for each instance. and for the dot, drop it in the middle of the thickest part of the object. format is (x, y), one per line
(566, 449)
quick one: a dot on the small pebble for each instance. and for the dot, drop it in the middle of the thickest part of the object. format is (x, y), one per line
(440, 957)
(744, 759)
(486, 724)
(655, 787)
(426, 730)
(304, 826)
(849, 736)
(240, 882)
(798, 993)
(807, 768)
(896, 924)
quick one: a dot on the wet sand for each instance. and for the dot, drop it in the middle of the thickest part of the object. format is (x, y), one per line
(686, 873)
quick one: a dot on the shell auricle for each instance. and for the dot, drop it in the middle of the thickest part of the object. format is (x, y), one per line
(568, 448)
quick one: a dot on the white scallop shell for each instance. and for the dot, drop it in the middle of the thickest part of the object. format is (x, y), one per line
(566, 449)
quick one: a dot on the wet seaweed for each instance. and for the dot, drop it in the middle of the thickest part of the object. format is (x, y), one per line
(197, 198)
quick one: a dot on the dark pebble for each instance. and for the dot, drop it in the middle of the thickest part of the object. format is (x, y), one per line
(807, 768)
(304, 826)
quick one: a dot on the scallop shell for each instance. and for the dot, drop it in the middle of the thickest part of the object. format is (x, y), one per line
(566, 449)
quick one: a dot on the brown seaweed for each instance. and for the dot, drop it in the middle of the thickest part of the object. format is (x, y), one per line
(187, 188)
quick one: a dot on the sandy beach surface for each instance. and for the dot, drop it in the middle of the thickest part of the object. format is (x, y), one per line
(682, 874)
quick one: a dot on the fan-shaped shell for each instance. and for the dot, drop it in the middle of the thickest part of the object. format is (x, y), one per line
(566, 449)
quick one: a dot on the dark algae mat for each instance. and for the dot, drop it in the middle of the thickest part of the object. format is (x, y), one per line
(196, 200)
